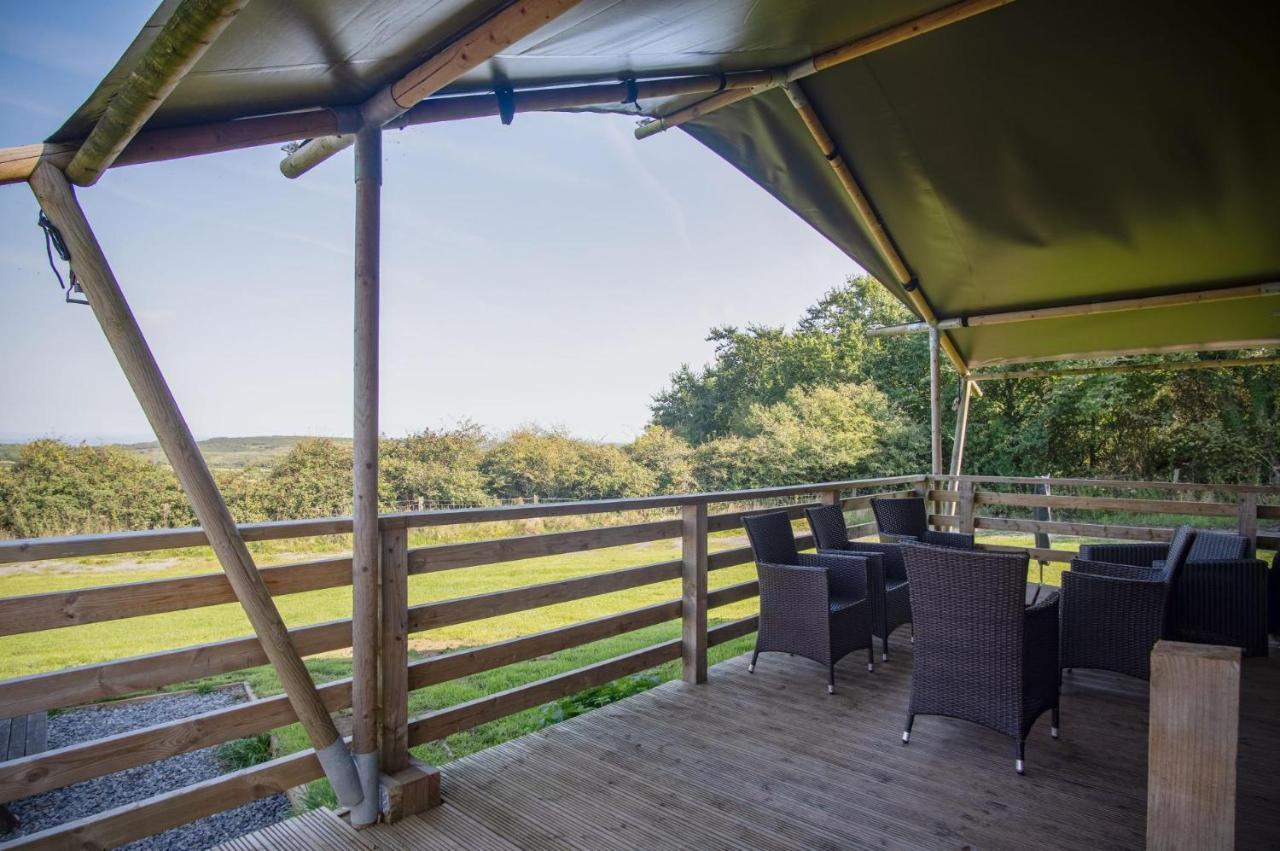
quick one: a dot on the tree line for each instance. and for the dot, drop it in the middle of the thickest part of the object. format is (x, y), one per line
(821, 401)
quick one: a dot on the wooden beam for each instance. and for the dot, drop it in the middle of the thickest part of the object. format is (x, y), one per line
(178, 46)
(962, 427)
(366, 542)
(1178, 366)
(694, 594)
(17, 163)
(1218, 346)
(827, 59)
(112, 311)
(467, 51)
(1192, 744)
(870, 221)
(1091, 308)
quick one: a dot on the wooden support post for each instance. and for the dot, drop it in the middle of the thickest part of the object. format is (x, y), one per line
(394, 651)
(935, 412)
(829, 497)
(1248, 518)
(965, 507)
(1194, 733)
(364, 460)
(109, 306)
(411, 786)
(693, 612)
(962, 427)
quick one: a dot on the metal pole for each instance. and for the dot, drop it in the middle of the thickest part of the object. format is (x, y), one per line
(365, 543)
(935, 407)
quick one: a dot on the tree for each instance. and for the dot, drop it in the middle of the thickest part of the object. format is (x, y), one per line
(667, 457)
(440, 467)
(549, 464)
(312, 480)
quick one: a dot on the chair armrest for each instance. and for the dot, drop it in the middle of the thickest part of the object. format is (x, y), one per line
(1115, 571)
(1139, 555)
(954, 540)
(1111, 603)
(849, 575)
(793, 587)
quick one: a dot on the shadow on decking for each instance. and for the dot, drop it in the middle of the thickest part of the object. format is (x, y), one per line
(771, 761)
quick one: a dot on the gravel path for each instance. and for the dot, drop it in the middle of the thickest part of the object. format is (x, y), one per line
(72, 802)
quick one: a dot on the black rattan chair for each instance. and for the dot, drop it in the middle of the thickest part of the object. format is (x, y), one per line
(816, 606)
(1113, 614)
(891, 596)
(981, 654)
(1221, 596)
(905, 519)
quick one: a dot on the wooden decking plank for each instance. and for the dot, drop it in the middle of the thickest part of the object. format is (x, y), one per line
(515, 813)
(17, 737)
(446, 828)
(525, 762)
(902, 810)
(786, 819)
(37, 732)
(702, 820)
(980, 756)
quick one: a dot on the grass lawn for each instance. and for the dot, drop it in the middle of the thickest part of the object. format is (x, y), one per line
(27, 654)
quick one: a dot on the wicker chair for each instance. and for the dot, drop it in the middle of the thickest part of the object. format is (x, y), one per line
(891, 595)
(1113, 614)
(981, 654)
(816, 606)
(1221, 597)
(903, 520)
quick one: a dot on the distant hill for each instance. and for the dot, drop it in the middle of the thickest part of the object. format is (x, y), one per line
(225, 453)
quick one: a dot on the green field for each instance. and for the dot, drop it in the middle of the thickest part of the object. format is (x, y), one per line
(221, 453)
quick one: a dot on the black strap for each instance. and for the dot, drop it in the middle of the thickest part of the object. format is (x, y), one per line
(506, 103)
(53, 241)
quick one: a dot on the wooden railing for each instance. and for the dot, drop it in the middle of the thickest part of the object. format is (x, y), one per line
(74, 686)
(966, 496)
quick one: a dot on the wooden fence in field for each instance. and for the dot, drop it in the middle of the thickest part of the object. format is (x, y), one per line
(691, 524)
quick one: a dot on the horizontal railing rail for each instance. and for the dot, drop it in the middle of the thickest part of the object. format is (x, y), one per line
(118, 677)
(964, 496)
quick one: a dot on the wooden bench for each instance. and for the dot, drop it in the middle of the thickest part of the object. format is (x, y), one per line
(26, 734)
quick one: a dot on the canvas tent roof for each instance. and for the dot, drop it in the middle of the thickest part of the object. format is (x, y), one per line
(1039, 154)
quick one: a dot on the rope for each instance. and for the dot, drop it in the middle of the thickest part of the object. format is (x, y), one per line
(53, 241)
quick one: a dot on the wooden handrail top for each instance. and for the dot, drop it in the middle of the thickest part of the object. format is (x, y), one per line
(70, 546)
(1134, 484)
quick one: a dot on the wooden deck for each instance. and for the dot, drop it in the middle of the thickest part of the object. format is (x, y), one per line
(771, 761)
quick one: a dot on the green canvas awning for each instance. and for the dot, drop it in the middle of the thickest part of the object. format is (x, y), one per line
(1038, 154)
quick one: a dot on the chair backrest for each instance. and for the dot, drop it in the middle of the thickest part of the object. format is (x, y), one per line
(1211, 546)
(968, 608)
(827, 524)
(1180, 547)
(900, 516)
(772, 539)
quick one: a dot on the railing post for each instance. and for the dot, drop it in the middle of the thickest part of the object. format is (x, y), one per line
(1248, 518)
(829, 497)
(965, 508)
(693, 611)
(1194, 733)
(411, 786)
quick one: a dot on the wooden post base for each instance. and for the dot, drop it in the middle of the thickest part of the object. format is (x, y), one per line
(411, 790)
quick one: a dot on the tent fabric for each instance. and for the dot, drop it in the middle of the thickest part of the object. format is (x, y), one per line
(1039, 154)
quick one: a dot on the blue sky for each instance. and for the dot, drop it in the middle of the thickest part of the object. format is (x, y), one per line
(554, 271)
